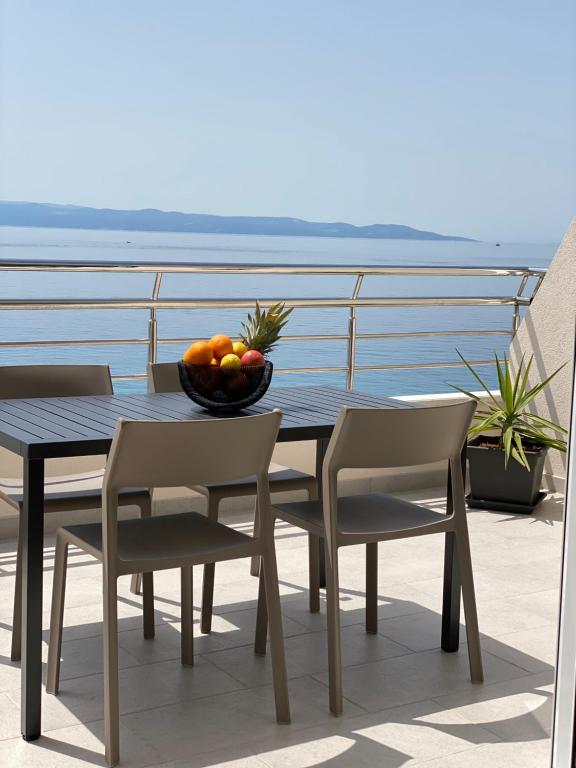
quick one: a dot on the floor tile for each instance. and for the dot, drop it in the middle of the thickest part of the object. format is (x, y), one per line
(519, 710)
(395, 737)
(306, 654)
(75, 747)
(502, 755)
(411, 678)
(532, 649)
(156, 685)
(230, 721)
(418, 632)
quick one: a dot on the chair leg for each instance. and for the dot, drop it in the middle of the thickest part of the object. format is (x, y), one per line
(314, 573)
(261, 618)
(469, 599)
(208, 577)
(111, 693)
(334, 640)
(255, 561)
(372, 588)
(148, 606)
(16, 646)
(187, 632)
(136, 578)
(136, 583)
(57, 616)
(280, 678)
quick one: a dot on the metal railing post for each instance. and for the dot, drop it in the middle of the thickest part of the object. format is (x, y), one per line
(516, 319)
(516, 315)
(352, 334)
(153, 322)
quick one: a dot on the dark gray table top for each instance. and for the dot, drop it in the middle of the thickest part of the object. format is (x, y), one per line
(80, 426)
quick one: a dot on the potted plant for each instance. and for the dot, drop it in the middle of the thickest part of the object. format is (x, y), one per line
(507, 443)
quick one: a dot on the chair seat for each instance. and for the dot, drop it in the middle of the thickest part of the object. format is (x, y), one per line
(62, 492)
(281, 479)
(162, 540)
(372, 513)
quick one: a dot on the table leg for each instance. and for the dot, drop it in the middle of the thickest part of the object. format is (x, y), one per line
(32, 568)
(452, 587)
(321, 448)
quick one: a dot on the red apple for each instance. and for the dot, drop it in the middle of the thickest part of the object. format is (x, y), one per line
(236, 384)
(206, 379)
(252, 357)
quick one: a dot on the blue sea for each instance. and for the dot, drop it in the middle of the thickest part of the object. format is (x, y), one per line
(90, 245)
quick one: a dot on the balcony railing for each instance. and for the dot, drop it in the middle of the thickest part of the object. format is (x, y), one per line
(352, 303)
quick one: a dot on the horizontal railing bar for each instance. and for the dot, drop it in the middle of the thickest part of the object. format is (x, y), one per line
(344, 368)
(238, 268)
(415, 334)
(302, 337)
(370, 336)
(310, 303)
(407, 366)
(74, 343)
(386, 367)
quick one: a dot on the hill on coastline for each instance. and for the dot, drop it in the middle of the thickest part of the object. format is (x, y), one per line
(24, 214)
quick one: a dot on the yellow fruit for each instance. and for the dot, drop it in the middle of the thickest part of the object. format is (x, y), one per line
(238, 347)
(230, 363)
(199, 353)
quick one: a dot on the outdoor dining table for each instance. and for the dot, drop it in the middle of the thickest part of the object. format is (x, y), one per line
(38, 429)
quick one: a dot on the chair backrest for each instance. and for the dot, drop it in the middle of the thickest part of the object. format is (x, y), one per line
(29, 381)
(156, 454)
(163, 377)
(370, 438)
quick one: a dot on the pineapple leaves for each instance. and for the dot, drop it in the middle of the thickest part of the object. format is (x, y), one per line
(261, 331)
(517, 428)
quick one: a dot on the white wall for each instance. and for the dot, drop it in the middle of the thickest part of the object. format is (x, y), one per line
(547, 332)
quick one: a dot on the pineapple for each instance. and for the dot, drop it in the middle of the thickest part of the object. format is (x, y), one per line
(261, 331)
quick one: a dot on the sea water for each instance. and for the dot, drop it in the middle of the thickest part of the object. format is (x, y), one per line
(158, 247)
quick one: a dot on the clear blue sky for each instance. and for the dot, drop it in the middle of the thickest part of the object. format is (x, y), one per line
(450, 115)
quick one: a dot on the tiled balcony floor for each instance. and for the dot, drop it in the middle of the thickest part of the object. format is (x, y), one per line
(407, 703)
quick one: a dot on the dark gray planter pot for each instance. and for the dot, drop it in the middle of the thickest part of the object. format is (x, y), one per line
(491, 481)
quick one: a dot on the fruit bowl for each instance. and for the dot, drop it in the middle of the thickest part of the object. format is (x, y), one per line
(218, 390)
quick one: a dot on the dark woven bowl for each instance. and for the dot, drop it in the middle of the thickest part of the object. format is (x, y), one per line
(218, 390)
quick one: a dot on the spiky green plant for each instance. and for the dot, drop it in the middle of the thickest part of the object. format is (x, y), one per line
(261, 330)
(517, 427)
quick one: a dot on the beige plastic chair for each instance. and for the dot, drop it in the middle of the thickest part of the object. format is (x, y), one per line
(162, 455)
(163, 377)
(63, 493)
(386, 438)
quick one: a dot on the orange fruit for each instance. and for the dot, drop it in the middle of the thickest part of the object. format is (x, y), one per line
(199, 353)
(221, 346)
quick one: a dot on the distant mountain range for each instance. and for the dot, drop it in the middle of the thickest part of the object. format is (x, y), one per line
(20, 214)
